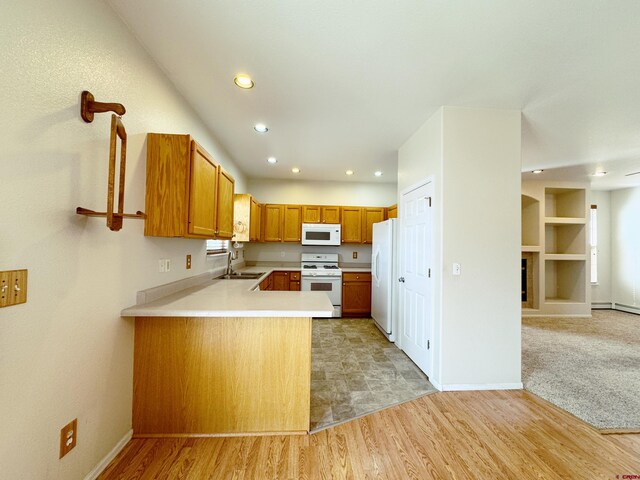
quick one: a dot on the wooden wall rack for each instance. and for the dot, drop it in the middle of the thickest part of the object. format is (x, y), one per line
(114, 218)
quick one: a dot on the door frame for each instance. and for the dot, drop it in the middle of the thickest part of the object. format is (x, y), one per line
(425, 181)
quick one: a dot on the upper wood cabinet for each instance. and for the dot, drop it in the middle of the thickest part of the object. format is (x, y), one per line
(255, 225)
(392, 211)
(317, 214)
(224, 214)
(187, 193)
(246, 218)
(369, 217)
(272, 223)
(292, 223)
(351, 225)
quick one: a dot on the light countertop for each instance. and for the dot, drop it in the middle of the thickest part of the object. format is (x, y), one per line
(235, 298)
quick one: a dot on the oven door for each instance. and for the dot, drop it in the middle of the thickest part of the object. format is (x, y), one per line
(320, 234)
(332, 286)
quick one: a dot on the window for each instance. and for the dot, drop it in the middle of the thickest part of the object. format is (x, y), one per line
(593, 241)
(217, 246)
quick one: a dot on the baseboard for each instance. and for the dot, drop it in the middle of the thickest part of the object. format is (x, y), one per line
(601, 305)
(626, 308)
(437, 385)
(452, 387)
(99, 468)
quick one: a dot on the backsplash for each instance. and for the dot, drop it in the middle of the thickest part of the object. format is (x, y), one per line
(290, 252)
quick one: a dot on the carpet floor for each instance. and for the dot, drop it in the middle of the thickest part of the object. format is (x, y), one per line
(355, 371)
(587, 366)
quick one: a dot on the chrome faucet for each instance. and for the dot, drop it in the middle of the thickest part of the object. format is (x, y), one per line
(229, 269)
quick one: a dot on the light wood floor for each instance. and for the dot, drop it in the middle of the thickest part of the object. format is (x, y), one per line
(455, 435)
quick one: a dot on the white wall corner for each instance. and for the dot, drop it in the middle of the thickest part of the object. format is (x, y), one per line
(99, 468)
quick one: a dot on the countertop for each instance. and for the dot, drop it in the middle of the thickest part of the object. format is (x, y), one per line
(235, 298)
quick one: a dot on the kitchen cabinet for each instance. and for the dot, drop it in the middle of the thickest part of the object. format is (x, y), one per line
(369, 217)
(273, 223)
(356, 294)
(292, 226)
(267, 283)
(294, 281)
(246, 218)
(351, 224)
(255, 224)
(317, 214)
(182, 190)
(392, 211)
(224, 205)
(281, 281)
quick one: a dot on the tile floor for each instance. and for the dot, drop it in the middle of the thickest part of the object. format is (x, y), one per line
(355, 371)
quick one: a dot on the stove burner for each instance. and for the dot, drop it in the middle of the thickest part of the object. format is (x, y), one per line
(309, 266)
(333, 267)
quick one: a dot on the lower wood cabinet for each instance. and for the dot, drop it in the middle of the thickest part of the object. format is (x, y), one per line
(281, 281)
(356, 294)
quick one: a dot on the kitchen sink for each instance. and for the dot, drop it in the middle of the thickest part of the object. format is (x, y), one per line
(242, 276)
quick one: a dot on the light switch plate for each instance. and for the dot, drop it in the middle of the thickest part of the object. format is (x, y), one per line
(13, 287)
(456, 269)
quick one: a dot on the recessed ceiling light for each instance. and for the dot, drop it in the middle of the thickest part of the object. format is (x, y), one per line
(272, 160)
(295, 170)
(243, 81)
(537, 171)
(349, 172)
(378, 173)
(599, 174)
(260, 128)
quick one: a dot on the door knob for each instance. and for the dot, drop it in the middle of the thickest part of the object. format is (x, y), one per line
(401, 279)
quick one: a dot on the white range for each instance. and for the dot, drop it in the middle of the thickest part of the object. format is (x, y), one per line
(320, 273)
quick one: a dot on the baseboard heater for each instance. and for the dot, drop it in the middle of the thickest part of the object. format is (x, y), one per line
(626, 308)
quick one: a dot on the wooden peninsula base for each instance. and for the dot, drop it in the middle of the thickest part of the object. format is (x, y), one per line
(196, 376)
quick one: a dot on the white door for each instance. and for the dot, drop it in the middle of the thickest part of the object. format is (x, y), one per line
(415, 283)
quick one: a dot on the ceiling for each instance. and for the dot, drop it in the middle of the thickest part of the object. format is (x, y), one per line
(342, 84)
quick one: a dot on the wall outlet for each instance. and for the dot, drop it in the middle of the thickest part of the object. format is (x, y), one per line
(188, 262)
(355, 255)
(68, 437)
(282, 254)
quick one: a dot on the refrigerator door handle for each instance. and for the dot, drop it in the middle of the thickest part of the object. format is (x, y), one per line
(377, 269)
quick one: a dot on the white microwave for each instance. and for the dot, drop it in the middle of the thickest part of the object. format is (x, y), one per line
(321, 233)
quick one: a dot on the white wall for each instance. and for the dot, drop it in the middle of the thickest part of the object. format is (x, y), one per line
(625, 248)
(468, 152)
(67, 353)
(601, 293)
(419, 158)
(481, 231)
(371, 194)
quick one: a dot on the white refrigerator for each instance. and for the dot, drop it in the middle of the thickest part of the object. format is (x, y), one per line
(383, 256)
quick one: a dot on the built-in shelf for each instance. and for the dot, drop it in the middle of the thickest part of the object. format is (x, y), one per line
(564, 221)
(565, 202)
(562, 301)
(565, 280)
(565, 238)
(566, 256)
(530, 310)
(531, 248)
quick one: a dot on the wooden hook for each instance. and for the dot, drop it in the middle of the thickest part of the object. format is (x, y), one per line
(88, 107)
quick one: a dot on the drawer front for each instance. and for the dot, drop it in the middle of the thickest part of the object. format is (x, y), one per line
(356, 277)
(295, 276)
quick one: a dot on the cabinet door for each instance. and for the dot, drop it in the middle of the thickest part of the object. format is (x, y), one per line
(280, 281)
(294, 285)
(351, 225)
(356, 296)
(392, 211)
(224, 215)
(254, 221)
(202, 193)
(369, 217)
(292, 223)
(311, 214)
(330, 214)
(273, 221)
